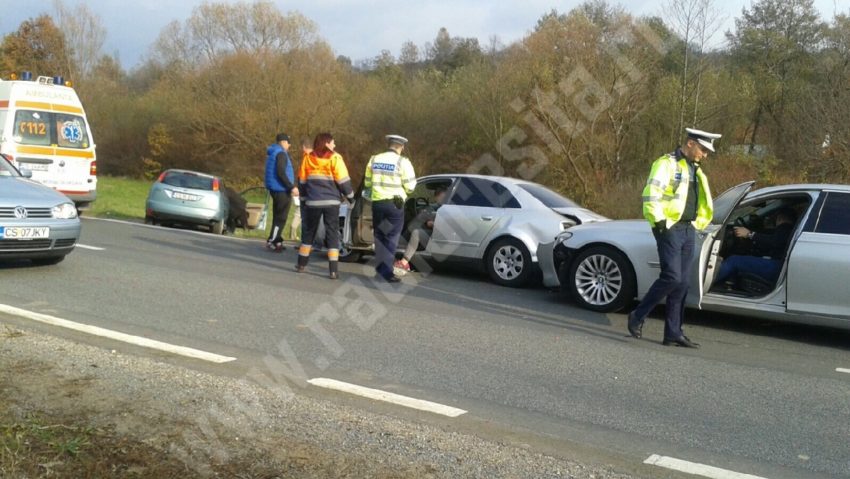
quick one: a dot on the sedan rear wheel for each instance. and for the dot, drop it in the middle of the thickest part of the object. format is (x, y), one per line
(601, 279)
(509, 263)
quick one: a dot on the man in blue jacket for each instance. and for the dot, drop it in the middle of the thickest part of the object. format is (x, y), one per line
(280, 181)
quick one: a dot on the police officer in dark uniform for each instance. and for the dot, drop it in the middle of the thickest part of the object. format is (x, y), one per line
(676, 202)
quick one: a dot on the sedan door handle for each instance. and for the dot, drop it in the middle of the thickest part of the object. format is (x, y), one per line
(487, 218)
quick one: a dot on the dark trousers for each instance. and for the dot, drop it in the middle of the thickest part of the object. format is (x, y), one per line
(734, 265)
(387, 221)
(676, 253)
(312, 217)
(280, 210)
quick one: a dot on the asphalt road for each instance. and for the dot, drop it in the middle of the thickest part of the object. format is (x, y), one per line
(759, 398)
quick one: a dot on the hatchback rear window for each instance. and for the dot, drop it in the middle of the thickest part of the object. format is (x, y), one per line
(188, 180)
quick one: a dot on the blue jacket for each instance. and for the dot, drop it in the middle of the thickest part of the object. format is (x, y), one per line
(273, 181)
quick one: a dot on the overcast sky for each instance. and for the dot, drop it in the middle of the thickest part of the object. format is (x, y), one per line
(356, 29)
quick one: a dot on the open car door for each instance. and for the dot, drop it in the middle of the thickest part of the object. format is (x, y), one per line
(258, 199)
(706, 247)
(357, 232)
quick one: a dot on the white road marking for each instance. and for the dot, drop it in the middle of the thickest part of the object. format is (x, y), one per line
(108, 333)
(379, 395)
(93, 248)
(696, 468)
(843, 370)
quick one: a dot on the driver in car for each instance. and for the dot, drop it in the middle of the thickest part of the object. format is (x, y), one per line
(769, 250)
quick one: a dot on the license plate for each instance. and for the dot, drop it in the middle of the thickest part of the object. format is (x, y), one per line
(9, 232)
(34, 166)
(184, 196)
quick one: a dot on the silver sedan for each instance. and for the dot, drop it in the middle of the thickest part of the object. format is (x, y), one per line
(605, 266)
(36, 222)
(489, 222)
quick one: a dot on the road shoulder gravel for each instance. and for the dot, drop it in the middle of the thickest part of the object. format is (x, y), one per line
(137, 417)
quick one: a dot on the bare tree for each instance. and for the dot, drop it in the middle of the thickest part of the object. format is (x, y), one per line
(216, 29)
(84, 36)
(696, 22)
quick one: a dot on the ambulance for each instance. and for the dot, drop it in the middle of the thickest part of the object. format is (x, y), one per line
(43, 129)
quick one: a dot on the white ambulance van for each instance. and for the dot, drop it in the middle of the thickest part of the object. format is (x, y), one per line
(43, 128)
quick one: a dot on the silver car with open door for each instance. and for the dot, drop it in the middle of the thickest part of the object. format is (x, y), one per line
(605, 266)
(492, 223)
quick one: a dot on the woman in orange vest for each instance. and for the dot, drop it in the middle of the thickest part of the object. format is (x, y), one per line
(322, 180)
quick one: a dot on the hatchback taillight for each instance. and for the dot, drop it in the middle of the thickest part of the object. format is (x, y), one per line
(93, 168)
(161, 177)
(215, 184)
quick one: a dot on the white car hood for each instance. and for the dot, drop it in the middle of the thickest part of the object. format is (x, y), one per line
(584, 215)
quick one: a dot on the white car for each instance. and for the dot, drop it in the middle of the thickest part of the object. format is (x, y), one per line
(606, 266)
(490, 222)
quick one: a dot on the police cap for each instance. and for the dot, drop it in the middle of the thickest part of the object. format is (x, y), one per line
(396, 139)
(704, 138)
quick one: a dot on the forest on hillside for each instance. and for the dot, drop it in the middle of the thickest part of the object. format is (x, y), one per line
(583, 103)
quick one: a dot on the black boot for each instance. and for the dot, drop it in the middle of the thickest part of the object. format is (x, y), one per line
(302, 263)
(333, 268)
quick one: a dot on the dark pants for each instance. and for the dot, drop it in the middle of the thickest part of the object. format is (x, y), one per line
(734, 265)
(312, 217)
(280, 210)
(676, 253)
(387, 221)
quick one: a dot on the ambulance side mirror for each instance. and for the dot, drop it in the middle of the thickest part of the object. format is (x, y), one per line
(26, 173)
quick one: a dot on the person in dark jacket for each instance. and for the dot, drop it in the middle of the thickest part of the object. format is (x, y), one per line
(769, 250)
(280, 181)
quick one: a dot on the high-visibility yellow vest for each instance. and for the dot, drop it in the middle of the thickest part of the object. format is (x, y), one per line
(666, 192)
(388, 175)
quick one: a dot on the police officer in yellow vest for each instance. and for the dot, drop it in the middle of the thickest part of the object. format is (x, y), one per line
(676, 202)
(389, 179)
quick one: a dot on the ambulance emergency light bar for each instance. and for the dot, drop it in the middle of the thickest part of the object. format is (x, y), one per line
(42, 80)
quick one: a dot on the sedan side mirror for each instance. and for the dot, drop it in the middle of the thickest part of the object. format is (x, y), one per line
(26, 173)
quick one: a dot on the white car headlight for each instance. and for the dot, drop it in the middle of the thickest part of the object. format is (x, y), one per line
(65, 211)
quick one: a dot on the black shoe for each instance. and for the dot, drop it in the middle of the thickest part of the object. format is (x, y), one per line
(333, 275)
(393, 279)
(635, 326)
(300, 269)
(682, 341)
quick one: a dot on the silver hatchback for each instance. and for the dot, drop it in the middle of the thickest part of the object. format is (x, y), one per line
(36, 222)
(187, 197)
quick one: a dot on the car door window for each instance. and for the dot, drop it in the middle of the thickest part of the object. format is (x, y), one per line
(484, 193)
(834, 217)
(724, 203)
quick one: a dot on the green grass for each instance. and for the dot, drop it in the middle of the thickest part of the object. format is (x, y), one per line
(124, 198)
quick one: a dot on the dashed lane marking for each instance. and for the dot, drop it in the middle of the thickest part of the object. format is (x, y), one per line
(696, 468)
(843, 370)
(108, 333)
(392, 398)
(93, 248)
